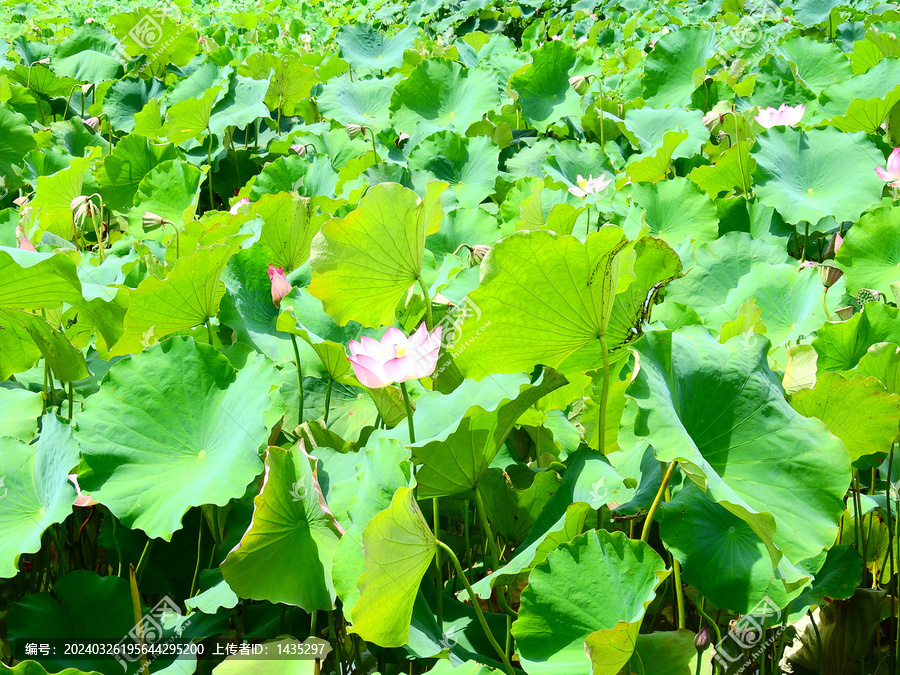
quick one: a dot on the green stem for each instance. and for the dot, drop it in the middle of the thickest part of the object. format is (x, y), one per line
(209, 161)
(71, 400)
(374, 151)
(435, 507)
(645, 534)
(429, 317)
(60, 551)
(327, 399)
(466, 529)
(409, 416)
(818, 642)
(300, 380)
(209, 331)
(52, 385)
(887, 494)
(587, 225)
(97, 233)
(712, 623)
(737, 142)
(139, 570)
(197, 565)
(805, 241)
(487, 631)
(600, 98)
(679, 591)
(494, 550)
(824, 304)
(604, 397)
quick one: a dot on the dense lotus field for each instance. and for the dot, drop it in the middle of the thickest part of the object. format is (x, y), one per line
(450, 337)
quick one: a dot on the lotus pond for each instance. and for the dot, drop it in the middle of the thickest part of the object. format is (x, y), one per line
(475, 337)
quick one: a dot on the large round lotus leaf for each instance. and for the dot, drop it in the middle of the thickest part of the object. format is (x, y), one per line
(362, 46)
(288, 228)
(720, 412)
(174, 427)
(399, 547)
(122, 171)
(819, 64)
(593, 583)
(189, 118)
(25, 336)
(363, 264)
(677, 65)
(870, 254)
(52, 203)
(721, 556)
(548, 299)
(16, 139)
(241, 104)
(677, 209)
(19, 411)
(649, 126)
(292, 80)
(670, 653)
(127, 97)
(445, 94)
(291, 528)
(841, 344)
(805, 175)
(467, 165)
(857, 410)
(88, 54)
(569, 159)
(62, 615)
(161, 38)
(882, 361)
(861, 102)
(31, 280)
(170, 189)
(358, 101)
(35, 489)
(543, 88)
(34, 668)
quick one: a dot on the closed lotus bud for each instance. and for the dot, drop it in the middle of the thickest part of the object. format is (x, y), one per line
(829, 275)
(477, 253)
(22, 241)
(86, 89)
(701, 640)
(82, 208)
(580, 83)
(834, 246)
(20, 201)
(401, 140)
(92, 123)
(280, 285)
(355, 130)
(150, 219)
(300, 149)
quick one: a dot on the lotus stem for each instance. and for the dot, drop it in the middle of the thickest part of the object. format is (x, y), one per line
(97, 230)
(487, 631)
(60, 551)
(145, 554)
(71, 400)
(136, 607)
(604, 397)
(676, 571)
(429, 317)
(824, 304)
(197, 565)
(645, 534)
(890, 524)
(737, 142)
(435, 508)
(494, 551)
(818, 642)
(299, 380)
(209, 161)
(327, 399)
(374, 150)
(209, 331)
(409, 416)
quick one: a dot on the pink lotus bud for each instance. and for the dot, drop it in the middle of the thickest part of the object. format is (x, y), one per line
(580, 83)
(280, 285)
(477, 253)
(236, 207)
(401, 140)
(82, 499)
(22, 241)
(355, 130)
(300, 149)
(92, 123)
(834, 246)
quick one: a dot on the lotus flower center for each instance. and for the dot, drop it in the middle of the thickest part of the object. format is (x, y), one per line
(401, 352)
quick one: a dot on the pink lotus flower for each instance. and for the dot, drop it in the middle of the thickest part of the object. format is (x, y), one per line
(234, 210)
(81, 500)
(892, 175)
(24, 244)
(395, 358)
(280, 285)
(785, 114)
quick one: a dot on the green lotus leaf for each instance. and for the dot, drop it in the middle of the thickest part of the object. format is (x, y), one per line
(288, 228)
(364, 264)
(295, 174)
(819, 64)
(857, 410)
(383, 468)
(569, 159)
(127, 97)
(34, 668)
(870, 254)
(803, 175)
(399, 547)
(30, 280)
(292, 80)
(237, 665)
(467, 165)
(511, 510)
(36, 490)
(677, 65)
(837, 578)
(16, 139)
(188, 296)
(543, 88)
(88, 54)
(447, 668)
(649, 127)
(656, 164)
(190, 118)
(177, 425)
(454, 465)
(25, 336)
(358, 101)
(123, 169)
(676, 209)
(291, 528)
(550, 299)
(19, 412)
(160, 38)
(882, 361)
(732, 169)
(594, 583)
(860, 102)
(736, 437)
(670, 653)
(242, 102)
(362, 46)
(61, 615)
(463, 226)
(841, 345)
(443, 93)
(52, 203)
(720, 554)
(171, 189)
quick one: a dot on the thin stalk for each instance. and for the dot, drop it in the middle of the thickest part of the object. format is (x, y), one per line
(327, 399)
(600, 96)
(374, 151)
(712, 623)
(435, 507)
(887, 494)
(138, 623)
(494, 551)
(209, 161)
(71, 400)
(805, 242)
(52, 385)
(824, 304)
(197, 565)
(118, 548)
(737, 142)
(466, 529)
(60, 551)
(487, 631)
(97, 232)
(604, 397)
(300, 380)
(645, 534)
(209, 330)
(429, 317)
(409, 416)
(45, 391)
(587, 225)
(139, 570)
(679, 591)
(818, 642)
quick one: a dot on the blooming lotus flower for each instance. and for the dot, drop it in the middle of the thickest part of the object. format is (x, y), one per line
(784, 115)
(556, 37)
(395, 358)
(892, 175)
(305, 38)
(81, 500)
(280, 285)
(235, 209)
(590, 185)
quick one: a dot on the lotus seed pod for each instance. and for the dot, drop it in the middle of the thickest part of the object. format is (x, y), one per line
(355, 130)
(477, 253)
(150, 219)
(579, 83)
(829, 275)
(866, 295)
